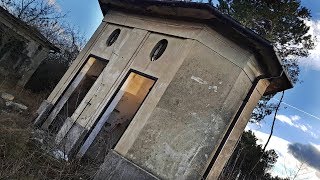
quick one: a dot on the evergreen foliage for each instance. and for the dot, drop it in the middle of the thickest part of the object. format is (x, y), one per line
(244, 158)
(283, 23)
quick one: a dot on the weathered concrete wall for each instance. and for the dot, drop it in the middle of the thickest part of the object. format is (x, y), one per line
(202, 79)
(96, 44)
(30, 68)
(236, 132)
(122, 56)
(21, 53)
(117, 167)
(191, 117)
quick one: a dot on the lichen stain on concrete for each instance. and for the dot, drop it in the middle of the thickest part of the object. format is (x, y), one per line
(186, 163)
(218, 123)
(214, 117)
(182, 159)
(195, 115)
(199, 80)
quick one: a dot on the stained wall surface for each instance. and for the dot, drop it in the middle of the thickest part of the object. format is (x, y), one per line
(201, 81)
(191, 117)
(131, 51)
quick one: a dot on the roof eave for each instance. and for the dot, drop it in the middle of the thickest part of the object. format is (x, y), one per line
(178, 10)
(29, 29)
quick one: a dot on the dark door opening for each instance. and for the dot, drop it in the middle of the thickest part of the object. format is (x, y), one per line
(117, 116)
(75, 93)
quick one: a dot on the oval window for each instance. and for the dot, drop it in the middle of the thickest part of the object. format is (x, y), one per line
(158, 49)
(113, 37)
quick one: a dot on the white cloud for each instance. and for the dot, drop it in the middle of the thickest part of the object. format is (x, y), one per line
(310, 127)
(303, 128)
(295, 118)
(316, 145)
(292, 121)
(314, 135)
(286, 165)
(313, 61)
(286, 119)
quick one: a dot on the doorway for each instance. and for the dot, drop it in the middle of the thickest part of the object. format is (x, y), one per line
(117, 116)
(75, 93)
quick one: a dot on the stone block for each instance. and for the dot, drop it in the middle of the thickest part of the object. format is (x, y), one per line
(7, 97)
(117, 167)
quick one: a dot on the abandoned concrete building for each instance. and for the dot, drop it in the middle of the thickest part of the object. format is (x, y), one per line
(163, 90)
(22, 49)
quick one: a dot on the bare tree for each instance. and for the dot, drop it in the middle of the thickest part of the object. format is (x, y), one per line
(46, 17)
(299, 172)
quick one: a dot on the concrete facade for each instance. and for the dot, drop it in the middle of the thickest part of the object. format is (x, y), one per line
(22, 49)
(205, 87)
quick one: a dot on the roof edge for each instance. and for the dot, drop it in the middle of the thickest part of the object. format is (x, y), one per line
(265, 51)
(33, 31)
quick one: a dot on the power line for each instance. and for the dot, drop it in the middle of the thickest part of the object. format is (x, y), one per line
(298, 109)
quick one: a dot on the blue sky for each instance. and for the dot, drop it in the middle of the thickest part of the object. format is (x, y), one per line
(298, 120)
(81, 14)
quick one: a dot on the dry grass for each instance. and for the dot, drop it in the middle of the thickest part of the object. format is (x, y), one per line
(21, 157)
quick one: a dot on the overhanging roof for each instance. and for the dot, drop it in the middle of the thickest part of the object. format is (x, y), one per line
(224, 24)
(28, 29)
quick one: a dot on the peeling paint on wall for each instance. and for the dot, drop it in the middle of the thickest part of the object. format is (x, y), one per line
(199, 80)
(215, 88)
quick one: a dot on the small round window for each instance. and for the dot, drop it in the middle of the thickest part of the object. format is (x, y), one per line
(113, 37)
(158, 49)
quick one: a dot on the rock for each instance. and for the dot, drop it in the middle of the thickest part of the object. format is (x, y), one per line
(21, 106)
(7, 96)
(59, 155)
(9, 103)
(16, 105)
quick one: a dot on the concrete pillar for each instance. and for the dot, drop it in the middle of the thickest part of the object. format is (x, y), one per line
(30, 69)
